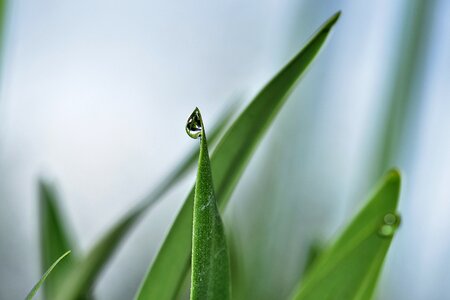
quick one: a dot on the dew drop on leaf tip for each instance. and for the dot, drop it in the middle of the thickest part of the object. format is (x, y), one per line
(194, 124)
(391, 221)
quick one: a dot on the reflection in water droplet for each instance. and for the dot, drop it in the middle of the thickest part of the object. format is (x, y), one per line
(390, 224)
(194, 124)
(390, 219)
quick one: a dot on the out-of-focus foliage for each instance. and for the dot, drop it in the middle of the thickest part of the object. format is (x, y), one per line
(228, 162)
(82, 276)
(352, 264)
(349, 269)
(55, 239)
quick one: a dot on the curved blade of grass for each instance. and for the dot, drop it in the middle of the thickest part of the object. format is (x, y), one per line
(228, 162)
(210, 262)
(35, 289)
(55, 239)
(83, 275)
(350, 268)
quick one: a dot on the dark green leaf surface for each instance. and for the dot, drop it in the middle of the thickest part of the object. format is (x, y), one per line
(35, 289)
(210, 261)
(55, 238)
(84, 274)
(350, 268)
(228, 162)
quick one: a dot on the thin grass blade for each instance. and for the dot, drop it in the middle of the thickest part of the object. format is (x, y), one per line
(228, 162)
(350, 268)
(85, 273)
(210, 260)
(314, 251)
(55, 238)
(35, 289)
(3, 7)
(408, 69)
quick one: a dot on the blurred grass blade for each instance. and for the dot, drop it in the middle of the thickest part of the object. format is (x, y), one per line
(405, 80)
(55, 238)
(84, 274)
(3, 7)
(210, 262)
(350, 268)
(315, 249)
(228, 162)
(34, 290)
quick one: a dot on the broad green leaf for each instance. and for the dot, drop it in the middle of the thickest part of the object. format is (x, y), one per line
(35, 289)
(228, 162)
(84, 274)
(55, 238)
(210, 262)
(350, 268)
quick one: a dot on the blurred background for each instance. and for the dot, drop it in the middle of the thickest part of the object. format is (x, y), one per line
(94, 96)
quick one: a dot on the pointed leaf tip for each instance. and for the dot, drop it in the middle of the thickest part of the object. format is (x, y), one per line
(36, 287)
(229, 160)
(350, 267)
(394, 174)
(331, 21)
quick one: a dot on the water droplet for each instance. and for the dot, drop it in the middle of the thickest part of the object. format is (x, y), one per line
(194, 124)
(391, 221)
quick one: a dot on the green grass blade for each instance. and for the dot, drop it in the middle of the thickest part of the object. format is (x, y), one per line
(350, 268)
(55, 238)
(406, 77)
(228, 162)
(3, 7)
(315, 249)
(3, 11)
(85, 273)
(35, 289)
(210, 261)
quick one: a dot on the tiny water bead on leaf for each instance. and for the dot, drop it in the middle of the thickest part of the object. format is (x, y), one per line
(194, 124)
(350, 267)
(210, 276)
(391, 221)
(229, 160)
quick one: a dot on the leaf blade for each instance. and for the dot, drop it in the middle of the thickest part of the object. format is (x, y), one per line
(350, 267)
(35, 289)
(55, 238)
(228, 162)
(210, 260)
(85, 273)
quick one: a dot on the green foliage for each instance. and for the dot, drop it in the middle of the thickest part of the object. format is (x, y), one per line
(85, 272)
(3, 6)
(228, 162)
(55, 238)
(210, 260)
(405, 77)
(349, 269)
(35, 289)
